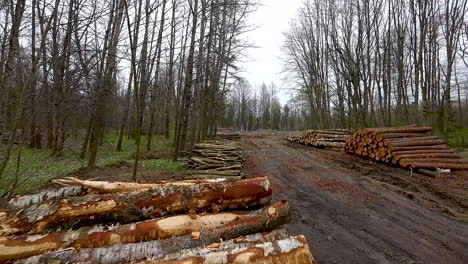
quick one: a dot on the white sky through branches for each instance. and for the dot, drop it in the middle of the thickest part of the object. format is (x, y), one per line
(264, 65)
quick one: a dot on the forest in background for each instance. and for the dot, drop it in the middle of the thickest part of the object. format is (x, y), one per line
(131, 68)
(92, 79)
(362, 63)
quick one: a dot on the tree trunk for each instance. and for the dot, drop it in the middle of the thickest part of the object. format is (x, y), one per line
(186, 102)
(13, 110)
(104, 84)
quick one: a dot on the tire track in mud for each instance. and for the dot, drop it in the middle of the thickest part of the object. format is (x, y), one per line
(348, 219)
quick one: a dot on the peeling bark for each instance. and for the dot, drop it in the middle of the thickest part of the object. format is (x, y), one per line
(262, 220)
(136, 206)
(116, 187)
(104, 236)
(287, 250)
(27, 200)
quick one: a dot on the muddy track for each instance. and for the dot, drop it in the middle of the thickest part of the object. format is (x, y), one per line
(355, 211)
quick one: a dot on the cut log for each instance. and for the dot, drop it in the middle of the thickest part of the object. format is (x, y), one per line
(436, 160)
(273, 217)
(393, 148)
(412, 143)
(383, 136)
(428, 156)
(405, 129)
(291, 250)
(118, 187)
(135, 206)
(421, 151)
(409, 139)
(26, 200)
(243, 241)
(433, 174)
(452, 166)
(104, 236)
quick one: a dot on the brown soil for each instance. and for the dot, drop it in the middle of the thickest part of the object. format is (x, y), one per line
(354, 210)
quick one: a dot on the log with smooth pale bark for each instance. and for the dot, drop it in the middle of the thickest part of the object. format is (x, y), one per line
(105, 236)
(262, 220)
(136, 206)
(291, 250)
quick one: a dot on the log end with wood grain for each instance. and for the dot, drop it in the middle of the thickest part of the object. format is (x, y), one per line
(409, 146)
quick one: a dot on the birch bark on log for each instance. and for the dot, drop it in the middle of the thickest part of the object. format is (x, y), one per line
(104, 236)
(117, 187)
(136, 206)
(291, 250)
(271, 218)
(27, 200)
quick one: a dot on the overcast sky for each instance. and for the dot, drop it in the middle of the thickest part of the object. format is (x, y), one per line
(272, 19)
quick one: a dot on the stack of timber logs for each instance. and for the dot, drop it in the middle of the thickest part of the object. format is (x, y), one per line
(408, 146)
(332, 138)
(216, 158)
(227, 134)
(170, 222)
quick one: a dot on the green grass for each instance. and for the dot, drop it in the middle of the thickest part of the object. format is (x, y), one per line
(459, 138)
(37, 167)
(163, 164)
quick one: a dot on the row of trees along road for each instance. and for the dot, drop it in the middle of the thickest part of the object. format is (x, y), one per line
(136, 66)
(380, 62)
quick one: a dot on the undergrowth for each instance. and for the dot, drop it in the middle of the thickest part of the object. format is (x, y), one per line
(37, 167)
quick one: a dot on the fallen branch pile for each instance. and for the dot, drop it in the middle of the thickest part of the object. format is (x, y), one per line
(408, 146)
(216, 158)
(114, 222)
(332, 138)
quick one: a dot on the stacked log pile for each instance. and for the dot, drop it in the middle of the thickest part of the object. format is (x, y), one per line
(408, 146)
(121, 222)
(332, 138)
(228, 134)
(216, 158)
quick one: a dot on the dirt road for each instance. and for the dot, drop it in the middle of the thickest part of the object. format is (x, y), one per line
(355, 211)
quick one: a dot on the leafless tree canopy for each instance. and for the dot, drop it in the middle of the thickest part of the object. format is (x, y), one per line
(380, 63)
(138, 67)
